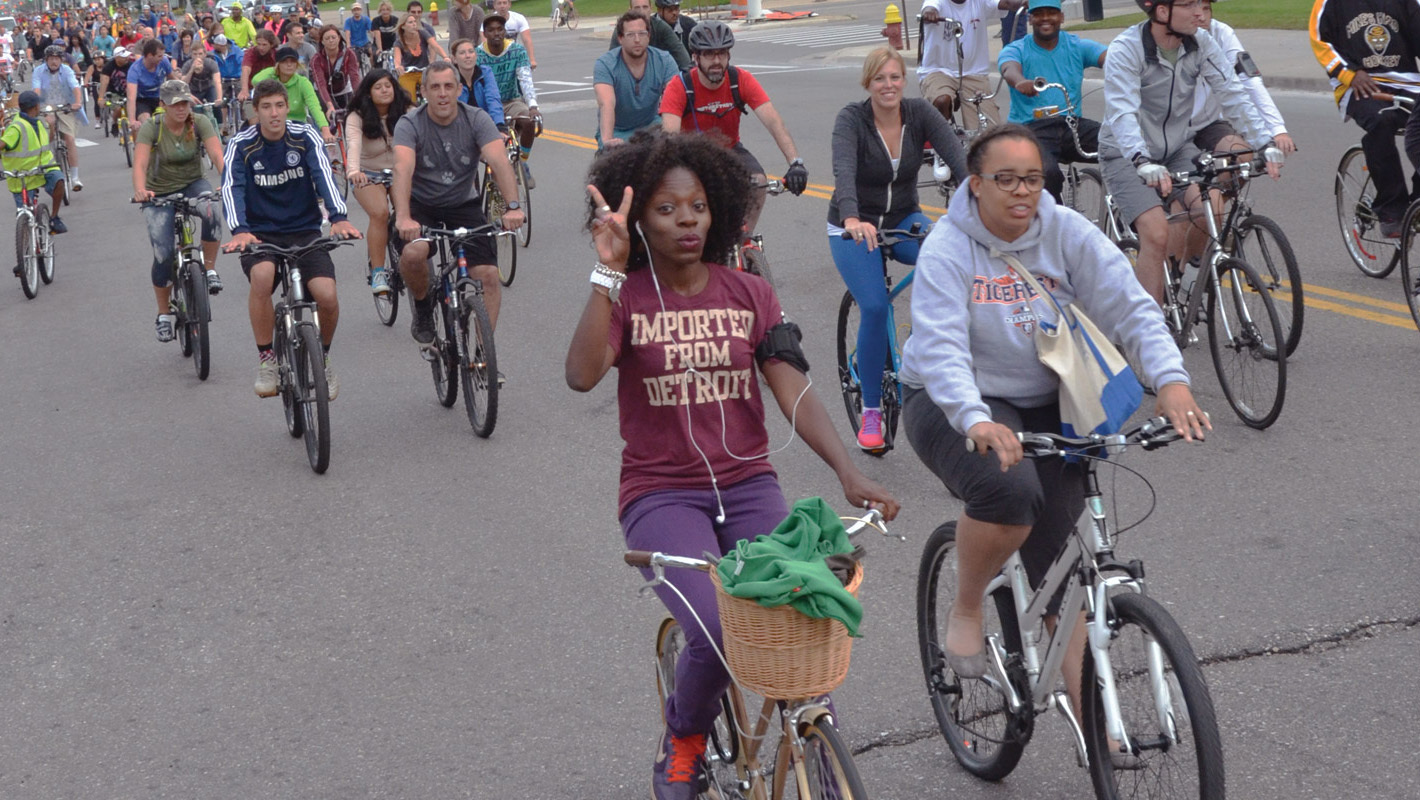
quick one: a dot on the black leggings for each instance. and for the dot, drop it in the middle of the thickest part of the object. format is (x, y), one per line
(1047, 494)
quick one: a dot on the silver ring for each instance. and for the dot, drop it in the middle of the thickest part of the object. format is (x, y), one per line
(604, 209)
(1191, 414)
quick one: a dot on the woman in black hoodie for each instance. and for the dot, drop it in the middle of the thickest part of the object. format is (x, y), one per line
(877, 153)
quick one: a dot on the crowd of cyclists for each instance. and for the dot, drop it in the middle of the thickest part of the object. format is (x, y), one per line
(673, 189)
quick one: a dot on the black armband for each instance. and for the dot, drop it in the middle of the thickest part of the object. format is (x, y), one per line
(782, 342)
(1246, 67)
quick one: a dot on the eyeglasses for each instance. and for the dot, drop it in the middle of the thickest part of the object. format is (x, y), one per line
(1008, 181)
(636, 35)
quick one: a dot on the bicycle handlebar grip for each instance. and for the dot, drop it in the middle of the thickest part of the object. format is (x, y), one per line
(638, 558)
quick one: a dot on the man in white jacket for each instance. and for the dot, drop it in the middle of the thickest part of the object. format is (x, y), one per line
(1214, 133)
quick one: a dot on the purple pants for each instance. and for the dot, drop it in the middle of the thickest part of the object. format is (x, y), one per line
(682, 522)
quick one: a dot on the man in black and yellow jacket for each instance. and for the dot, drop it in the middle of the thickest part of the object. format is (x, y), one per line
(1370, 47)
(25, 143)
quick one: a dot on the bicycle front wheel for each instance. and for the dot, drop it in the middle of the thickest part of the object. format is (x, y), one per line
(572, 18)
(290, 392)
(44, 244)
(1410, 260)
(444, 358)
(25, 257)
(1085, 194)
(757, 263)
(1370, 251)
(520, 169)
(828, 768)
(507, 249)
(314, 396)
(973, 714)
(1173, 749)
(196, 319)
(478, 366)
(1265, 248)
(61, 157)
(125, 140)
(851, 372)
(1246, 341)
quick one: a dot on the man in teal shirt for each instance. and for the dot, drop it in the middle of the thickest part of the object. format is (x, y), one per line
(1058, 57)
(628, 81)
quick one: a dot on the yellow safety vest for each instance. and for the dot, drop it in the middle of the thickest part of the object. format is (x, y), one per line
(29, 153)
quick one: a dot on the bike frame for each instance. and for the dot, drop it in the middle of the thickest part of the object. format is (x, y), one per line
(1079, 571)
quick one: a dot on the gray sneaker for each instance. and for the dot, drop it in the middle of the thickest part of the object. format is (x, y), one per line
(332, 383)
(166, 326)
(266, 378)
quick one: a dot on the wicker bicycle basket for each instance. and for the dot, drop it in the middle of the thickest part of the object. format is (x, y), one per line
(778, 652)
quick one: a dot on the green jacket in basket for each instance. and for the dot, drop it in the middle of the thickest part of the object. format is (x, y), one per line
(787, 567)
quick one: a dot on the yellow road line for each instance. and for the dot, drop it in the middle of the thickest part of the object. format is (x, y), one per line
(826, 193)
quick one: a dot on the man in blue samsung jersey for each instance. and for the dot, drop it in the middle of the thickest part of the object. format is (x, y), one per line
(277, 171)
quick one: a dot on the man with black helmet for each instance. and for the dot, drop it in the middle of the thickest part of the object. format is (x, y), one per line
(682, 24)
(712, 96)
(1150, 74)
(58, 86)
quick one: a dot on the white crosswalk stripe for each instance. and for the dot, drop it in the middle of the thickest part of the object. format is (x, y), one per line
(815, 35)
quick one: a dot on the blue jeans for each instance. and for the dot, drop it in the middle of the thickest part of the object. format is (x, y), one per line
(862, 273)
(161, 236)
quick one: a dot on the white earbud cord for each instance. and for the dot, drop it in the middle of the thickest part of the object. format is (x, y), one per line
(692, 371)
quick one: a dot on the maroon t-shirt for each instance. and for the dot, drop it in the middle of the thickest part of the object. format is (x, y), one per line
(257, 61)
(716, 332)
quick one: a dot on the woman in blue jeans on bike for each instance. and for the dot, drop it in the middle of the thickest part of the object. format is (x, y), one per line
(877, 153)
(687, 336)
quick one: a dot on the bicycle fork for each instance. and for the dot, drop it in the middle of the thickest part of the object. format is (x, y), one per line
(1100, 635)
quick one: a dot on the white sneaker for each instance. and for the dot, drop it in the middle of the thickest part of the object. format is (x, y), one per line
(165, 325)
(266, 378)
(332, 383)
(78, 184)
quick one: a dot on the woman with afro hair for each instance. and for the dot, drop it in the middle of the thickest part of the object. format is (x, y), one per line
(685, 334)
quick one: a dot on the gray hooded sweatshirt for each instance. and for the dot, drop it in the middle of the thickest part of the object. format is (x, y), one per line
(973, 321)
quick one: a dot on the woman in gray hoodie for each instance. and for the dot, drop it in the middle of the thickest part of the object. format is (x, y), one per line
(971, 369)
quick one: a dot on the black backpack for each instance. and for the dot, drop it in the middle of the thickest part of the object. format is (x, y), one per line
(733, 74)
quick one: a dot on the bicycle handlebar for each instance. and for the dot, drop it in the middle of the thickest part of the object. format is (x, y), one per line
(296, 251)
(1153, 434)
(1207, 167)
(891, 236)
(773, 186)
(488, 229)
(953, 27)
(180, 200)
(1400, 100)
(647, 559)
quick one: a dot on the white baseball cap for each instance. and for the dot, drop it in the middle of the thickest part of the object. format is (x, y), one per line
(219, 39)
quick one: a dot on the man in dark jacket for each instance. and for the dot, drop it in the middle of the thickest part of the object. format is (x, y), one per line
(682, 24)
(1368, 47)
(663, 37)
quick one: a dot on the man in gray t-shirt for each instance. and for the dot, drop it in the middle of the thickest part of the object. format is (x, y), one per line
(438, 151)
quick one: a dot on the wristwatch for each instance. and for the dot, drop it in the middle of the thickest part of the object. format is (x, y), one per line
(514, 205)
(609, 279)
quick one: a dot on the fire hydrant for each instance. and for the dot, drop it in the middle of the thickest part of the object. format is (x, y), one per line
(893, 19)
(434, 14)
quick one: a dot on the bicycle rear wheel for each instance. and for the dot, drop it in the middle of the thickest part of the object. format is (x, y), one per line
(44, 244)
(828, 763)
(443, 357)
(1265, 248)
(478, 366)
(1245, 338)
(757, 263)
(973, 714)
(723, 742)
(387, 304)
(1173, 745)
(195, 319)
(25, 256)
(1085, 194)
(61, 157)
(1370, 251)
(1410, 260)
(314, 396)
(572, 18)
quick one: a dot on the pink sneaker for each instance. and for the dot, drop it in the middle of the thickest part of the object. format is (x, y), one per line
(870, 430)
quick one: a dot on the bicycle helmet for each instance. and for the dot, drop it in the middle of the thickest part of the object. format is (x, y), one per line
(712, 34)
(1148, 6)
(667, 3)
(54, 50)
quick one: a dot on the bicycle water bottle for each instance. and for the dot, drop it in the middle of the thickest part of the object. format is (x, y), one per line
(941, 173)
(463, 263)
(1190, 277)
